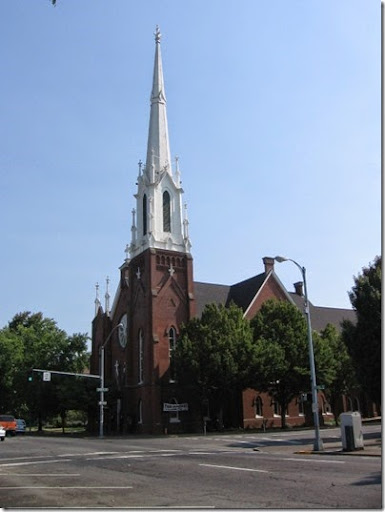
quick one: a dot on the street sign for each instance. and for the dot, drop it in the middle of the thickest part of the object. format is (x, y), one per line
(102, 403)
(47, 376)
(174, 407)
(99, 390)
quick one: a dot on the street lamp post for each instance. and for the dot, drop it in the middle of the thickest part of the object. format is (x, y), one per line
(102, 389)
(318, 445)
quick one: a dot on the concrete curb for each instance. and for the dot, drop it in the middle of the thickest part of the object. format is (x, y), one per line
(358, 453)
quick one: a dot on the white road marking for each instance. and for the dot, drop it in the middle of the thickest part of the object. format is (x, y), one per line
(316, 460)
(233, 467)
(161, 451)
(201, 453)
(33, 462)
(114, 457)
(42, 474)
(16, 488)
(29, 458)
(86, 454)
(139, 454)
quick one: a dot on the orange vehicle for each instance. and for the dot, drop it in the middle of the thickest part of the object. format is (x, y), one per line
(9, 423)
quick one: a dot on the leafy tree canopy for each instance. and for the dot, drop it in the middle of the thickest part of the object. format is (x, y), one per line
(215, 350)
(282, 361)
(32, 341)
(363, 339)
(335, 369)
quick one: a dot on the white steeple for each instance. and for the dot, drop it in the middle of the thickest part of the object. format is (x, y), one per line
(158, 148)
(157, 221)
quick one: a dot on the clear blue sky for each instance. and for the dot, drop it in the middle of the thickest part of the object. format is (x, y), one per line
(274, 110)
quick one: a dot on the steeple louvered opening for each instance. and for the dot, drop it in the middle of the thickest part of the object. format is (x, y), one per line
(166, 212)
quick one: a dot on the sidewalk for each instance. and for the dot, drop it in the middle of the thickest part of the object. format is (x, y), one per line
(372, 448)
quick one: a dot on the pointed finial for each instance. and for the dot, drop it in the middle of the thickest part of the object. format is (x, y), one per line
(107, 297)
(97, 300)
(157, 35)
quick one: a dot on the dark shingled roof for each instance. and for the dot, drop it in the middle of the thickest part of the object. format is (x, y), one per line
(206, 293)
(321, 316)
(243, 293)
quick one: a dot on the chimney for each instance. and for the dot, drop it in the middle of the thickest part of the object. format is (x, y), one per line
(269, 264)
(299, 288)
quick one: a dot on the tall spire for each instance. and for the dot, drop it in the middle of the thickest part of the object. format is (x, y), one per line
(157, 220)
(158, 147)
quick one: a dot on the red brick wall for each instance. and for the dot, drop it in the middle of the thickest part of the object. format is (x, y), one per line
(155, 302)
(270, 290)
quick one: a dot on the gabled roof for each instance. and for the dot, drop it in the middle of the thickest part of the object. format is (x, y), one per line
(243, 293)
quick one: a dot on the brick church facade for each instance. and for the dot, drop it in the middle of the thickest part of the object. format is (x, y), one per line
(157, 293)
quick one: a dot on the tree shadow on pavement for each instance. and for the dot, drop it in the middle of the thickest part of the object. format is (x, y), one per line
(373, 479)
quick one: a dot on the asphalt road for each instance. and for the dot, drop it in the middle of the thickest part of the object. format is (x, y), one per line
(213, 471)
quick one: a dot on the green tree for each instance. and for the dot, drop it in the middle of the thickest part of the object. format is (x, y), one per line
(214, 355)
(11, 357)
(363, 339)
(335, 369)
(41, 344)
(282, 361)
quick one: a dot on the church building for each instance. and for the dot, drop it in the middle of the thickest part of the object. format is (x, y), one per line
(157, 293)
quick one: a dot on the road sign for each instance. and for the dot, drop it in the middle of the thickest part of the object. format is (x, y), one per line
(174, 407)
(102, 403)
(47, 376)
(102, 389)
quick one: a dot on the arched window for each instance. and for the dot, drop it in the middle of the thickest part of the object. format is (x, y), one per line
(171, 350)
(276, 408)
(258, 406)
(144, 214)
(300, 402)
(140, 356)
(166, 212)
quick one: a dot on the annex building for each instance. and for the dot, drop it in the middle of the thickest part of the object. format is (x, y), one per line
(157, 293)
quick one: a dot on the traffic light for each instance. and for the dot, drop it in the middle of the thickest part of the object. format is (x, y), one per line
(30, 376)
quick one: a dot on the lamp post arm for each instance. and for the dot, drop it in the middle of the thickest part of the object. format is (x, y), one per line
(109, 336)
